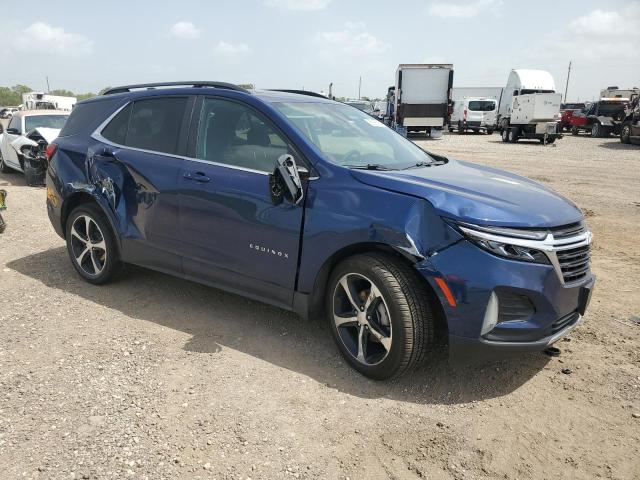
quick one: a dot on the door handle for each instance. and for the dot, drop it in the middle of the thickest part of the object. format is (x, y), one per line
(197, 176)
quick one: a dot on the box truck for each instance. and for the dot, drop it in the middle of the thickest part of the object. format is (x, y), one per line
(422, 98)
(44, 101)
(529, 107)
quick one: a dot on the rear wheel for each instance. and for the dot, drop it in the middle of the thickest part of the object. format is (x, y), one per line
(505, 135)
(489, 131)
(575, 131)
(91, 245)
(625, 134)
(596, 130)
(513, 135)
(460, 127)
(380, 315)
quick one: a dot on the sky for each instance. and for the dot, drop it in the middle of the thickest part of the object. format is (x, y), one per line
(311, 43)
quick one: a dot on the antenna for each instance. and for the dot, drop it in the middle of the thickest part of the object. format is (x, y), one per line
(566, 87)
(48, 88)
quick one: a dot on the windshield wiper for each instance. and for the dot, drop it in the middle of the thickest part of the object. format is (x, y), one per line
(370, 166)
(419, 164)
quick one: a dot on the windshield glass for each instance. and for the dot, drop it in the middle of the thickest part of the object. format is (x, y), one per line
(49, 121)
(348, 137)
(482, 105)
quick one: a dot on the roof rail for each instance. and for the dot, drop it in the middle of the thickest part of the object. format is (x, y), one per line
(299, 92)
(150, 86)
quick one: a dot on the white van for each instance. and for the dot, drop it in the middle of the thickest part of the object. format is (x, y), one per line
(474, 113)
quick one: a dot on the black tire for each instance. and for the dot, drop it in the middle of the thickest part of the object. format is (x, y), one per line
(3, 166)
(550, 140)
(625, 134)
(476, 131)
(513, 135)
(32, 175)
(596, 130)
(410, 314)
(575, 131)
(460, 127)
(505, 135)
(110, 261)
(489, 131)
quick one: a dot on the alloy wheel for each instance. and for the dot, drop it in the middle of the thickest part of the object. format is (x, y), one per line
(362, 319)
(88, 245)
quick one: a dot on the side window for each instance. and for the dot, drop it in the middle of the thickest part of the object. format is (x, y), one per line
(15, 123)
(116, 130)
(155, 124)
(234, 134)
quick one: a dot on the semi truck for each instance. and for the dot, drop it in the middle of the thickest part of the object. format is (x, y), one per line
(422, 98)
(529, 107)
(44, 101)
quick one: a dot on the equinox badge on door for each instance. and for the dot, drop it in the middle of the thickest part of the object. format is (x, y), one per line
(260, 248)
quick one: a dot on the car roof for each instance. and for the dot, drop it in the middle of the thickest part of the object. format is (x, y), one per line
(35, 113)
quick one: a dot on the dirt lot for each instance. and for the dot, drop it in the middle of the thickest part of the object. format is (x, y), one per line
(154, 377)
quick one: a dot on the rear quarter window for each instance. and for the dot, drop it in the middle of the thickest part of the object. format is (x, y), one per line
(86, 117)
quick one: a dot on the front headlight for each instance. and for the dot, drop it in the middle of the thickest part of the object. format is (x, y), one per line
(506, 242)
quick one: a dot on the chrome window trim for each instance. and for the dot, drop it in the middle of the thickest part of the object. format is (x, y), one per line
(97, 135)
(549, 246)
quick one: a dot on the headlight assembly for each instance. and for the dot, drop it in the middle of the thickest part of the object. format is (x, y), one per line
(523, 245)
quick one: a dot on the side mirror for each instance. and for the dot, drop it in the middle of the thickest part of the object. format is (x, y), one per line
(285, 181)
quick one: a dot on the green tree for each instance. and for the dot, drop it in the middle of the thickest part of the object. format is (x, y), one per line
(62, 93)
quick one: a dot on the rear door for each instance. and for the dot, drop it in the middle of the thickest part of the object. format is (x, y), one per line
(136, 166)
(233, 234)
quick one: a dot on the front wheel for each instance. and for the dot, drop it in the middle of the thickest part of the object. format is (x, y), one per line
(380, 315)
(505, 135)
(489, 131)
(575, 131)
(513, 135)
(596, 130)
(625, 134)
(91, 245)
(3, 166)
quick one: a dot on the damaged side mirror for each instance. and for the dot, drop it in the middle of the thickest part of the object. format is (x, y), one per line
(285, 181)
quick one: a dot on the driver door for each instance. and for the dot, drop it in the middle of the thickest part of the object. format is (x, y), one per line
(234, 236)
(9, 153)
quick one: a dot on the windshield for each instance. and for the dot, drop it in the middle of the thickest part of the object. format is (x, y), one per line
(348, 137)
(482, 105)
(610, 108)
(48, 121)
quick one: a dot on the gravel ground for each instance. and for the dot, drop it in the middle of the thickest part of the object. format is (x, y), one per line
(155, 377)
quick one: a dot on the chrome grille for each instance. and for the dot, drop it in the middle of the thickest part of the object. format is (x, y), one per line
(574, 263)
(568, 230)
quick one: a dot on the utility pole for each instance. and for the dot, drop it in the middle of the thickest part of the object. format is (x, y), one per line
(359, 87)
(331, 90)
(48, 88)
(566, 87)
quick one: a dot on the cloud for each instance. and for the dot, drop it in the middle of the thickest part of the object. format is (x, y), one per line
(462, 10)
(351, 40)
(599, 36)
(298, 4)
(185, 31)
(232, 49)
(41, 37)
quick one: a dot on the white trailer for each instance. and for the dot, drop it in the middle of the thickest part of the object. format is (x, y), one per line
(529, 107)
(44, 101)
(615, 92)
(422, 98)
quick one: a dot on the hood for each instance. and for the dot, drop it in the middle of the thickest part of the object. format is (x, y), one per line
(477, 194)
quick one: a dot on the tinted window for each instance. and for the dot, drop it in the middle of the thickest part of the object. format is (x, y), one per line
(116, 130)
(48, 121)
(86, 116)
(155, 124)
(482, 105)
(234, 134)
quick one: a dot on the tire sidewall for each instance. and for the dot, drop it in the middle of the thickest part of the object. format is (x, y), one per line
(112, 251)
(394, 359)
(625, 134)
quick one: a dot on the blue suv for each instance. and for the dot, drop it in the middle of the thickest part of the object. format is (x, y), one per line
(313, 206)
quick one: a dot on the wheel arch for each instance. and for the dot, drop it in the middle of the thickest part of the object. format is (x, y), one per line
(315, 305)
(80, 198)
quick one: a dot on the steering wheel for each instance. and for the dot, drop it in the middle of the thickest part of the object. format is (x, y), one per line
(351, 153)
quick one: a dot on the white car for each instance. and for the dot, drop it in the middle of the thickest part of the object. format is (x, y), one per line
(22, 124)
